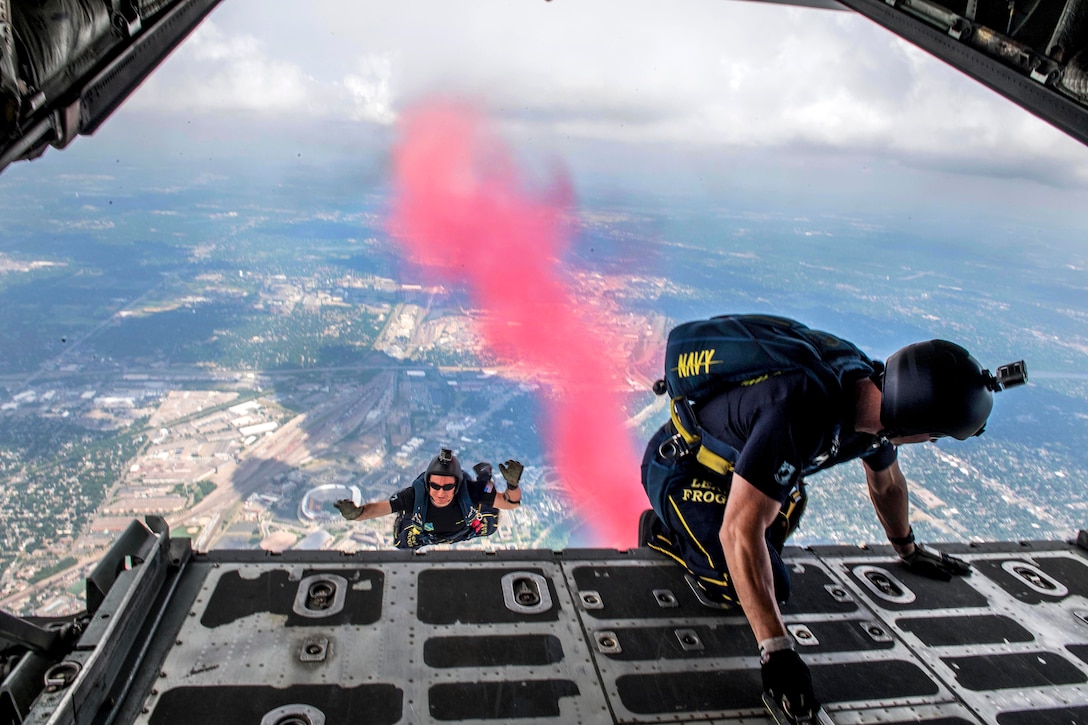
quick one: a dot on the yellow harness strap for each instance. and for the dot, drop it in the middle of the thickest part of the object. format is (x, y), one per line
(687, 426)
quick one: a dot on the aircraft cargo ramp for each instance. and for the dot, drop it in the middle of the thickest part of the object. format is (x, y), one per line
(577, 636)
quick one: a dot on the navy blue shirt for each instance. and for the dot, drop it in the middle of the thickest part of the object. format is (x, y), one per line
(786, 427)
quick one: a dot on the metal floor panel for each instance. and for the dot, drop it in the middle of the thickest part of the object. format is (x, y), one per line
(588, 636)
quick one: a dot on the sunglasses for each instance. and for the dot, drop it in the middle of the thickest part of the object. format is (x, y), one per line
(442, 486)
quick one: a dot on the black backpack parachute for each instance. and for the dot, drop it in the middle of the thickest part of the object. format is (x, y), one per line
(706, 357)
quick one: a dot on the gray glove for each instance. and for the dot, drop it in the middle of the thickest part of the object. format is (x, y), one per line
(483, 471)
(511, 471)
(788, 685)
(934, 564)
(348, 509)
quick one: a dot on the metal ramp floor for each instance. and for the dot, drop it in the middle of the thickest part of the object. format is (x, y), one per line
(579, 636)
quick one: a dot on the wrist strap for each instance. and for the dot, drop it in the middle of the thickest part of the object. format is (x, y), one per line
(774, 644)
(903, 540)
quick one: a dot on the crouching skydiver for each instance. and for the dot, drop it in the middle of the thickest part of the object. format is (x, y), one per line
(725, 475)
(444, 504)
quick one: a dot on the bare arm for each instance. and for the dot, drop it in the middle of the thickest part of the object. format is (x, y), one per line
(508, 499)
(888, 492)
(748, 513)
(375, 509)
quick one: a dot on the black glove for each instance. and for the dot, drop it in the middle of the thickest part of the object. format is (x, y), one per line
(511, 471)
(483, 471)
(788, 683)
(348, 509)
(934, 564)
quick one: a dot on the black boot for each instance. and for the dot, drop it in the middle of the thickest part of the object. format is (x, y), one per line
(648, 526)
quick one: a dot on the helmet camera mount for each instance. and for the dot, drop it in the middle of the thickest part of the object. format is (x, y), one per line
(1008, 376)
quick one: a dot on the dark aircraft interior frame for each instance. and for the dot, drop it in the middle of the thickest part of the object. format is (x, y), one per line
(1034, 53)
(66, 65)
(172, 635)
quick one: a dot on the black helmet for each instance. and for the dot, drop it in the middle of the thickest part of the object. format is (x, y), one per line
(444, 464)
(935, 387)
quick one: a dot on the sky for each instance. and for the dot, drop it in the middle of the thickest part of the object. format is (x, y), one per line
(696, 79)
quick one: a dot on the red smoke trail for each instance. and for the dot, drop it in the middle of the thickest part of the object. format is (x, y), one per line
(460, 208)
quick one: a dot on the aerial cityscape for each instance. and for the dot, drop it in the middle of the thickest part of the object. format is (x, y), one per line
(264, 398)
(238, 381)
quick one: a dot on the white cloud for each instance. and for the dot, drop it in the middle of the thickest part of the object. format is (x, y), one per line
(370, 89)
(705, 73)
(216, 70)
